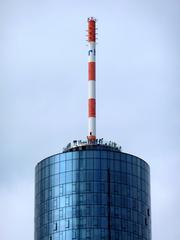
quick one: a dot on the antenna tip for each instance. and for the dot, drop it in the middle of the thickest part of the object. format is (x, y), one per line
(91, 19)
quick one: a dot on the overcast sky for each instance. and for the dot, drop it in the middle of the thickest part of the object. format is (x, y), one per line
(43, 96)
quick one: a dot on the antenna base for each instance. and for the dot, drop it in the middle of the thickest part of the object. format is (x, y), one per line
(91, 138)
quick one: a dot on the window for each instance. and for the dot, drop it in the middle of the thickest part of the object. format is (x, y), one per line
(68, 188)
(74, 234)
(62, 178)
(55, 227)
(82, 163)
(104, 163)
(68, 197)
(89, 162)
(55, 203)
(68, 212)
(123, 167)
(116, 166)
(129, 168)
(83, 175)
(96, 154)
(97, 187)
(69, 155)
(69, 165)
(62, 166)
(97, 176)
(61, 189)
(75, 155)
(89, 187)
(82, 154)
(104, 154)
(97, 163)
(76, 164)
(63, 157)
(68, 177)
(104, 176)
(82, 198)
(82, 187)
(62, 225)
(62, 201)
(61, 213)
(67, 223)
(56, 168)
(102, 187)
(89, 154)
(90, 174)
(111, 155)
(56, 179)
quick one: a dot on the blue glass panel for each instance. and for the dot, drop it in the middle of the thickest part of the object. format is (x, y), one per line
(89, 154)
(96, 154)
(62, 157)
(135, 169)
(123, 167)
(82, 154)
(68, 187)
(111, 165)
(104, 163)
(110, 155)
(89, 162)
(68, 177)
(51, 160)
(116, 165)
(62, 166)
(56, 158)
(97, 176)
(56, 168)
(123, 157)
(55, 191)
(47, 171)
(104, 176)
(75, 155)
(68, 235)
(117, 156)
(103, 154)
(129, 159)
(76, 164)
(56, 179)
(82, 187)
(69, 165)
(69, 156)
(90, 175)
(97, 163)
(82, 163)
(52, 167)
(68, 212)
(62, 178)
(82, 176)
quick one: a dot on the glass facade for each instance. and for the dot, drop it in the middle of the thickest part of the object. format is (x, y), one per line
(92, 194)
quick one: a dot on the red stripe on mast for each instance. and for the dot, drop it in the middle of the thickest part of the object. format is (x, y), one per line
(92, 107)
(92, 70)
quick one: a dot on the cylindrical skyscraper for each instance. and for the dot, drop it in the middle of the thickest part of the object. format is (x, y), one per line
(92, 190)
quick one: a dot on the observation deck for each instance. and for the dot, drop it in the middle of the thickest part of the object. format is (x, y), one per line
(98, 144)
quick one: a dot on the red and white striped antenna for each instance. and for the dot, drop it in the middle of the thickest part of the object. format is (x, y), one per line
(91, 79)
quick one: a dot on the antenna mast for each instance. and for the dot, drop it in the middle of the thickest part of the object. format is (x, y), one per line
(91, 79)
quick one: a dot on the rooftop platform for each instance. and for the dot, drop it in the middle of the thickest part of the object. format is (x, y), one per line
(99, 144)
